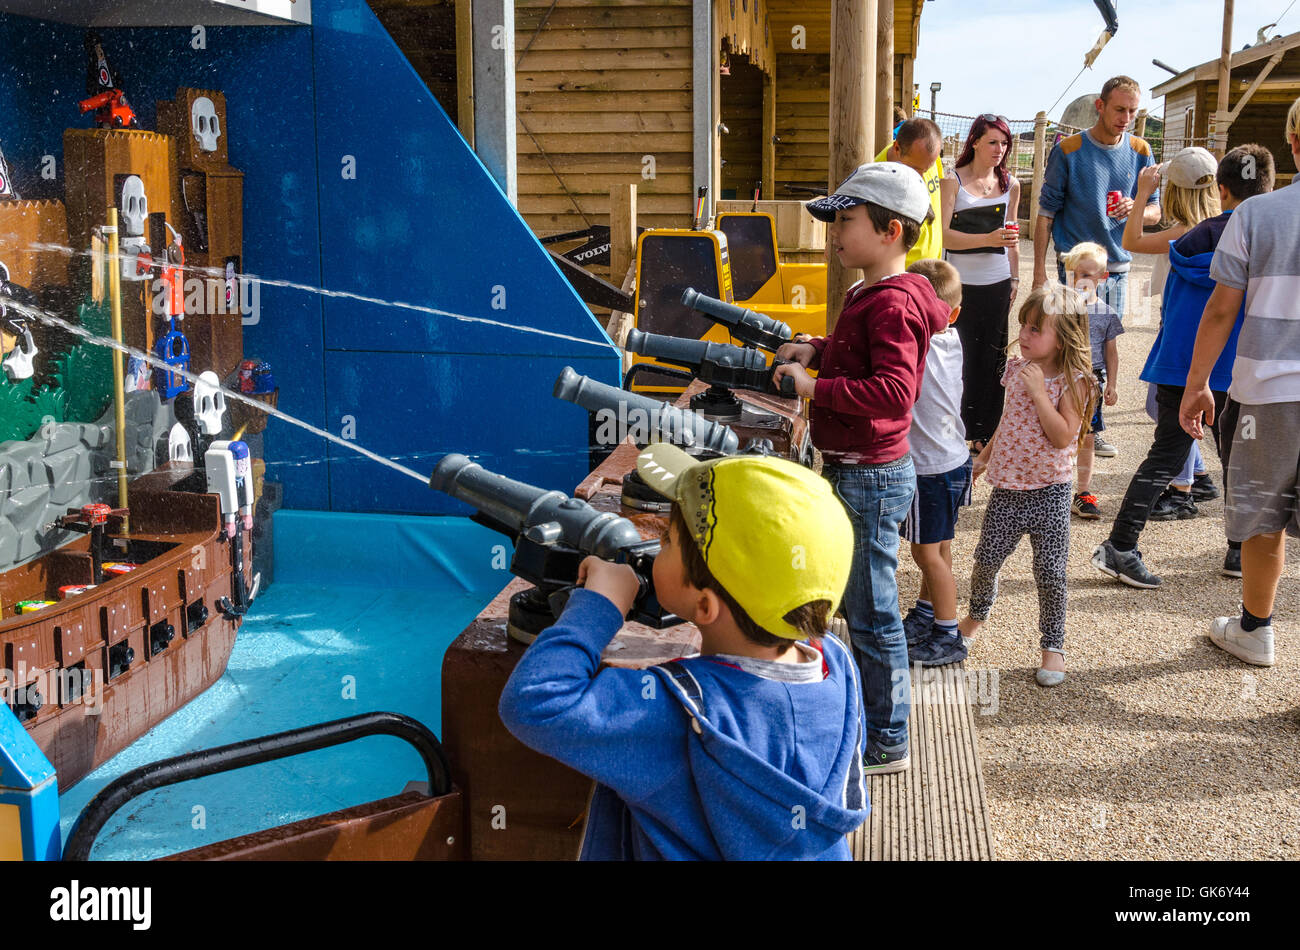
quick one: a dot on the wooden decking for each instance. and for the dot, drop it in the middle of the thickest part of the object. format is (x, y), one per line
(935, 810)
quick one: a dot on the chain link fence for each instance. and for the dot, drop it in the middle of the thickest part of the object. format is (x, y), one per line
(1020, 162)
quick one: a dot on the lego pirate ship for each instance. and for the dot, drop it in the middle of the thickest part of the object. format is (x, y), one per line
(125, 520)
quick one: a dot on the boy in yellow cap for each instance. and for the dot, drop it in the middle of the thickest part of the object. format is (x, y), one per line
(751, 750)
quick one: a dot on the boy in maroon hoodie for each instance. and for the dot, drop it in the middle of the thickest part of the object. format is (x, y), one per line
(869, 374)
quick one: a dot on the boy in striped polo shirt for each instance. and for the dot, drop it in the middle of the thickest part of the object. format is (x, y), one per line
(1258, 259)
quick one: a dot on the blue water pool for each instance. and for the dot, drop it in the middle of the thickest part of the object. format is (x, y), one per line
(360, 614)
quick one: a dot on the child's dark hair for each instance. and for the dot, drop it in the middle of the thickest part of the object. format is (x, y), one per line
(1246, 170)
(811, 619)
(943, 277)
(881, 216)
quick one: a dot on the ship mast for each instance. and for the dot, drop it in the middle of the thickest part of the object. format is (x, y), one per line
(119, 382)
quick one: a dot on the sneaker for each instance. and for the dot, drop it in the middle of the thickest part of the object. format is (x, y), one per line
(1203, 488)
(1085, 506)
(1253, 647)
(876, 761)
(1125, 566)
(1101, 448)
(938, 649)
(1174, 505)
(916, 627)
(1232, 562)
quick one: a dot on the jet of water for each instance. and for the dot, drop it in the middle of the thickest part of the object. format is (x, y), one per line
(53, 320)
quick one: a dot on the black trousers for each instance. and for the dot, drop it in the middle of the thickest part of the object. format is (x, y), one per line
(982, 327)
(1165, 458)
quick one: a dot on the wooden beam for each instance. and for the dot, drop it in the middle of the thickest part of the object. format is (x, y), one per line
(622, 231)
(1221, 120)
(852, 116)
(769, 133)
(1040, 163)
(1250, 91)
(884, 74)
(465, 69)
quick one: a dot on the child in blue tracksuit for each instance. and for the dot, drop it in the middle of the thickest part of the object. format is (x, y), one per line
(751, 750)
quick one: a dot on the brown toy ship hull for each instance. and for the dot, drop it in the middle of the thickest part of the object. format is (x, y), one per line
(91, 705)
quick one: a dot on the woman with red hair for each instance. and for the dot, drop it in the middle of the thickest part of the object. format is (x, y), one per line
(978, 200)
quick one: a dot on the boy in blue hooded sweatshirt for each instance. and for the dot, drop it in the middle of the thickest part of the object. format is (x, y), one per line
(1243, 172)
(751, 750)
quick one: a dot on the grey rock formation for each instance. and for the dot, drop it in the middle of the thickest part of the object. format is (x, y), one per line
(67, 465)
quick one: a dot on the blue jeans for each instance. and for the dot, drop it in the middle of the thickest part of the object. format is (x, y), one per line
(877, 500)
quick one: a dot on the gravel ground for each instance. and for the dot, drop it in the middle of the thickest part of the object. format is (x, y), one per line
(1158, 744)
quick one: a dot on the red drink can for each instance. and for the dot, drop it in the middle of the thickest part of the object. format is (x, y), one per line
(1012, 226)
(1112, 201)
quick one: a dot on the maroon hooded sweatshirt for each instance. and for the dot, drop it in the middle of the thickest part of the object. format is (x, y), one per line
(870, 369)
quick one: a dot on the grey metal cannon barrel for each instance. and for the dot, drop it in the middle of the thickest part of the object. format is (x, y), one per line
(681, 427)
(751, 326)
(520, 506)
(672, 349)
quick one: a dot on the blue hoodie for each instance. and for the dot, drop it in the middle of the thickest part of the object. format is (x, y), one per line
(774, 769)
(1187, 291)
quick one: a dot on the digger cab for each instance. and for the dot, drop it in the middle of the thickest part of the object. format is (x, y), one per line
(736, 262)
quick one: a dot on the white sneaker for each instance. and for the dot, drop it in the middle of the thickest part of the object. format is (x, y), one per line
(1255, 646)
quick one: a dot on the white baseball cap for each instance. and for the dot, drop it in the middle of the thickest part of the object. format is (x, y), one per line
(1193, 167)
(891, 185)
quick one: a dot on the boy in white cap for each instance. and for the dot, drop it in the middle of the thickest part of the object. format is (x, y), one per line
(870, 369)
(753, 749)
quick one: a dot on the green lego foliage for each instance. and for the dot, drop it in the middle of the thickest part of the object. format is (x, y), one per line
(84, 374)
(18, 418)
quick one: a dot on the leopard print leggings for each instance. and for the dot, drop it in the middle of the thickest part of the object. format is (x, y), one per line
(1043, 514)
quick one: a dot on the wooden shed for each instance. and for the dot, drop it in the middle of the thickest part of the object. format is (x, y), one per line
(609, 92)
(1263, 82)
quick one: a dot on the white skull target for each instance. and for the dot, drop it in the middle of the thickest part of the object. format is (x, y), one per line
(209, 403)
(178, 445)
(134, 206)
(204, 123)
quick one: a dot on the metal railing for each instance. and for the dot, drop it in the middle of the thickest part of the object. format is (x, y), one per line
(247, 752)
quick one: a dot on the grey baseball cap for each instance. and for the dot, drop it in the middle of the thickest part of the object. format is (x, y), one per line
(891, 185)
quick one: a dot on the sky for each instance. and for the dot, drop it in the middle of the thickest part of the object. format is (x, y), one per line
(1014, 57)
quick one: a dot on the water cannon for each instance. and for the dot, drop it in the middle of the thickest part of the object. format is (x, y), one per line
(749, 326)
(552, 534)
(650, 420)
(645, 419)
(723, 366)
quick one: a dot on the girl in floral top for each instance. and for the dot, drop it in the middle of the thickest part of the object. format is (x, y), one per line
(1029, 462)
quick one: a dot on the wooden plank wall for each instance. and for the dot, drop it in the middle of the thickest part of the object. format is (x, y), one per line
(601, 88)
(802, 120)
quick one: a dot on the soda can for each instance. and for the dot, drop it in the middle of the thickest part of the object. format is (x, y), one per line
(1112, 201)
(1012, 226)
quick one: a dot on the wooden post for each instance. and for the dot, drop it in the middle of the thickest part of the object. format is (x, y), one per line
(884, 75)
(1140, 123)
(622, 231)
(769, 133)
(852, 117)
(1219, 145)
(465, 70)
(1040, 165)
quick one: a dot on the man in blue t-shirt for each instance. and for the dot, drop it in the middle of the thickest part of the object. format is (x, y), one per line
(1081, 170)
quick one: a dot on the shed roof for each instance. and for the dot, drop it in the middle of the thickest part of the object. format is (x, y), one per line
(1243, 64)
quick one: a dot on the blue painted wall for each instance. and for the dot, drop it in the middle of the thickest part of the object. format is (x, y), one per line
(421, 223)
